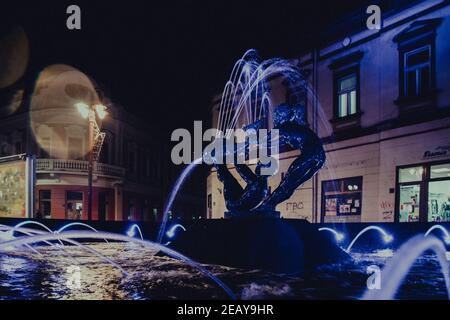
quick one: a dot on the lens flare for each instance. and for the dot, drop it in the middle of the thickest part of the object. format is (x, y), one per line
(58, 111)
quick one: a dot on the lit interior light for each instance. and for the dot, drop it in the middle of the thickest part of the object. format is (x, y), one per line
(83, 109)
(388, 238)
(355, 187)
(101, 111)
(350, 187)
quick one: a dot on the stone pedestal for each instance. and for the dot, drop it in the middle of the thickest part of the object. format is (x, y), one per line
(257, 214)
(267, 243)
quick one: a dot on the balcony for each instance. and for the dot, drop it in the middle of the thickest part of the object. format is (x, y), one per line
(78, 167)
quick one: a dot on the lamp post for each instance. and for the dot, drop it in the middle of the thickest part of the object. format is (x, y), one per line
(89, 112)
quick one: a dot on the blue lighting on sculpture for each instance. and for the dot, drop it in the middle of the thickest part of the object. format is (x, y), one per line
(246, 93)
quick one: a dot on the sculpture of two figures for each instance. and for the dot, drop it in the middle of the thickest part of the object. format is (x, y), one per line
(254, 198)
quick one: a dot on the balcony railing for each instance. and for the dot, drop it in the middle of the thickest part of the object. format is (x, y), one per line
(77, 166)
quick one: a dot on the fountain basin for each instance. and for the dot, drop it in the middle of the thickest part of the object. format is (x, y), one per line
(265, 243)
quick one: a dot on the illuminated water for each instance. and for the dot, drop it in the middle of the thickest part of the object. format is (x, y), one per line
(26, 275)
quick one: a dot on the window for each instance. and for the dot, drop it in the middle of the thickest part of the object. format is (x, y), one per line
(416, 46)
(439, 193)
(411, 174)
(346, 95)
(341, 197)
(346, 79)
(417, 72)
(74, 205)
(45, 204)
(424, 193)
(409, 193)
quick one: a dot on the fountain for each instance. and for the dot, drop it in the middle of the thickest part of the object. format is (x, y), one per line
(173, 193)
(242, 240)
(69, 236)
(171, 232)
(386, 237)
(395, 271)
(444, 231)
(132, 231)
(74, 224)
(338, 236)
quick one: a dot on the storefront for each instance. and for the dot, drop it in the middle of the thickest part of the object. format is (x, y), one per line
(423, 192)
(341, 197)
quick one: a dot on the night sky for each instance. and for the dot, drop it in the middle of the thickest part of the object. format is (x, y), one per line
(164, 61)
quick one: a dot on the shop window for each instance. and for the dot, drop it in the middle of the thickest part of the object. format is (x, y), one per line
(45, 204)
(342, 197)
(411, 174)
(74, 205)
(424, 193)
(409, 203)
(439, 193)
(440, 171)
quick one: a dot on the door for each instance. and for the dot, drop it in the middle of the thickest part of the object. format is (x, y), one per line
(102, 206)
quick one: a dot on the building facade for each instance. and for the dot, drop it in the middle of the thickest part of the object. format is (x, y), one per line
(381, 105)
(43, 121)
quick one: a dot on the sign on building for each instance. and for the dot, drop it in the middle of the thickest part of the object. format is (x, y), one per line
(17, 184)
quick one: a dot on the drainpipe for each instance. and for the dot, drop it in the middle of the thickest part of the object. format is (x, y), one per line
(315, 181)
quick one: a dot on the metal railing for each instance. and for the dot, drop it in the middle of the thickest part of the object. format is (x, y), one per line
(77, 166)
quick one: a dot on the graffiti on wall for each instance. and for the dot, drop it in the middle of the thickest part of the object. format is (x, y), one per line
(387, 211)
(294, 206)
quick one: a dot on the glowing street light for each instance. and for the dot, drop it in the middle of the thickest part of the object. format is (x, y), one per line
(101, 111)
(83, 109)
(88, 112)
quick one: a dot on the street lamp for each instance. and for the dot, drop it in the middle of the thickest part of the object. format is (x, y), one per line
(89, 112)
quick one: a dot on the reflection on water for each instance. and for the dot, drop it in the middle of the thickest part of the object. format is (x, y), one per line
(26, 275)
